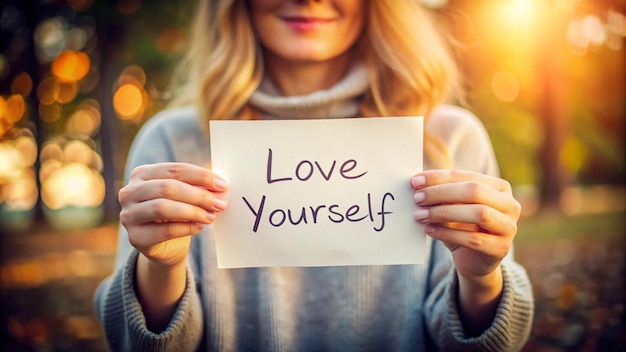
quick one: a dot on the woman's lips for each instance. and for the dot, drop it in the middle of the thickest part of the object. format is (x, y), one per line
(305, 24)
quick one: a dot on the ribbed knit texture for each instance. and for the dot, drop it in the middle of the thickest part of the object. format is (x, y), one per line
(338, 101)
(360, 308)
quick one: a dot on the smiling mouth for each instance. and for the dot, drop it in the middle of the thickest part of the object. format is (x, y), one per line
(306, 23)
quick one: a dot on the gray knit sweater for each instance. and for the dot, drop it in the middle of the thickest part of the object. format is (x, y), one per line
(358, 308)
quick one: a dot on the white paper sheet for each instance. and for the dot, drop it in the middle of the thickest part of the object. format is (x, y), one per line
(318, 192)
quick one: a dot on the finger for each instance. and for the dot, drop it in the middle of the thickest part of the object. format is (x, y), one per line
(187, 173)
(470, 192)
(180, 192)
(165, 210)
(439, 177)
(487, 218)
(149, 234)
(492, 246)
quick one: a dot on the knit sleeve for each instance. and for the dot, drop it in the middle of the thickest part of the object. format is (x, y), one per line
(124, 324)
(470, 149)
(511, 325)
(116, 303)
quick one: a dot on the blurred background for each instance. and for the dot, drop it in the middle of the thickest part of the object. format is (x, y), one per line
(78, 78)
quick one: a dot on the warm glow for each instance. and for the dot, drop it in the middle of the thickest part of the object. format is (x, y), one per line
(51, 151)
(22, 84)
(132, 74)
(28, 147)
(505, 86)
(515, 21)
(85, 120)
(516, 12)
(48, 90)
(22, 193)
(12, 109)
(50, 113)
(48, 167)
(11, 163)
(67, 92)
(590, 31)
(77, 152)
(73, 184)
(593, 30)
(128, 101)
(18, 186)
(522, 8)
(70, 173)
(96, 162)
(71, 66)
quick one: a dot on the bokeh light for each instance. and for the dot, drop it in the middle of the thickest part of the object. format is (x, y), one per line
(67, 92)
(74, 184)
(71, 66)
(48, 90)
(50, 37)
(12, 109)
(128, 101)
(50, 113)
(616, 29)
(132, 74)
(505, 86)
(28, 148)
(22, 84)
(11, 163)
(22, 194)
(18, 185)
(86, 119)
(51, 151)
(591, 32)
(70, 174)
(76, 151)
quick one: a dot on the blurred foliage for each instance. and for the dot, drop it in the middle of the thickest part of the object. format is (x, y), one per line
(590, 86)
(552, 227)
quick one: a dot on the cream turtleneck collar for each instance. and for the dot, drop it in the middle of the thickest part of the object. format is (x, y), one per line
(339, 101)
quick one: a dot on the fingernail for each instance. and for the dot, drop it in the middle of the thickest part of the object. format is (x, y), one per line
(421, 214)
(418, 181)
(429, 229)
(210, 216)
(418, 197)
(219, 204)
(220, 184)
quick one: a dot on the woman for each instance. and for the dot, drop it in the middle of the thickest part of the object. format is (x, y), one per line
(274, 59)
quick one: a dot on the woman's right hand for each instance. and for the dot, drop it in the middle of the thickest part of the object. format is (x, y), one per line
(164, 204)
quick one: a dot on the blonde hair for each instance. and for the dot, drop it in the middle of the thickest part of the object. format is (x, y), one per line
(410, 67)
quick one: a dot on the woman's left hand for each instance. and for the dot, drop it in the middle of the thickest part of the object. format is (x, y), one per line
(474, 215)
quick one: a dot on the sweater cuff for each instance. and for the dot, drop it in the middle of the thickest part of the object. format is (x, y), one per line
(513, 319)
(184, 330)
